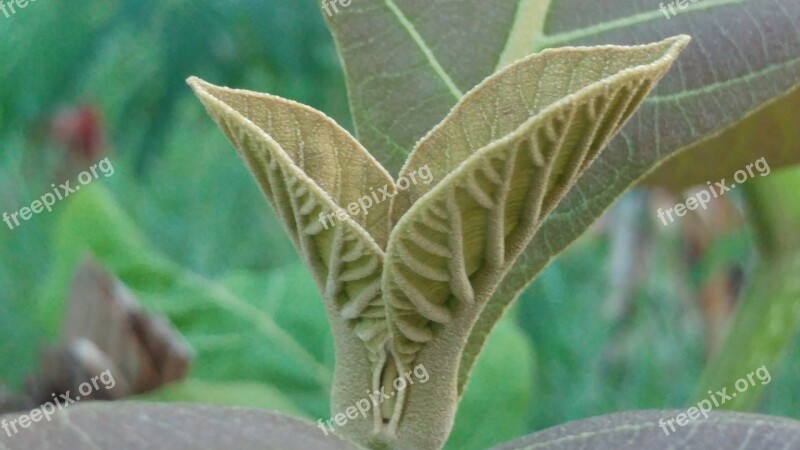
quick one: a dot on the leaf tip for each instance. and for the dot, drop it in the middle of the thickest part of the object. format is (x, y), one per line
(677, 43)
(198, 85)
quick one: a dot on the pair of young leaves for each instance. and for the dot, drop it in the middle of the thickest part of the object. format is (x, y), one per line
(421, 264)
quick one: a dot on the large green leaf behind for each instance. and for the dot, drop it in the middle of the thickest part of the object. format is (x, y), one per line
(744, 55)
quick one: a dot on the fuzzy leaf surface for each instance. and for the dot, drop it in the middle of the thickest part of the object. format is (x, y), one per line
(134, 426)
(308, 167)
(745, 54)
(506, 162)
(641, 430)
(501, 162)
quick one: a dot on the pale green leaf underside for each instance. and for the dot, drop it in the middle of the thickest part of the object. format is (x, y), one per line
(145, 426)
(505, 156)
(505, 101)
(745, 53)
(642, 430)
(306, 165)
(706, 92)
(419, 58)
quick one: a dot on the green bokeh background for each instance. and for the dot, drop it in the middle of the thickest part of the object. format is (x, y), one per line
(183, 224)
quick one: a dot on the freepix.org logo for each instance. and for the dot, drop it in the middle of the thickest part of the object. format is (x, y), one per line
(59, 402)
(366, 202)
(64, 190)
(10, 7)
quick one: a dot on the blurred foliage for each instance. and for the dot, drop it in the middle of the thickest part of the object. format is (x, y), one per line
(769, 315)
(182, 223)
(500, 383)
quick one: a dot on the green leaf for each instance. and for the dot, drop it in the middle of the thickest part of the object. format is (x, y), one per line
(241, 394)
(398, 87)
(309, 168)
(271, 334)
(742, 145)
(134, 426)
(405, 82)
(616, 79)
(292, 147)
(420, 61)
(642, 430)
(502, 382)
(505, 156)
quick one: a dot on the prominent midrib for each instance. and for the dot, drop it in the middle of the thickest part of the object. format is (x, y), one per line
(527, 27)
(656, 14)
(423, 46)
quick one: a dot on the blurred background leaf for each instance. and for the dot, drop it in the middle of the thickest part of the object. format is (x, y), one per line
(627, 318)
(499, 392)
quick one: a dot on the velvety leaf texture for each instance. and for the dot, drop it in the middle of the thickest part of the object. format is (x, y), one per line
(745, 54)
(685, 108)
(506, 161)
(505, 156)
(742, 145)
(307, 166)
(499, 163)
(135, 426)
(642, 430)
